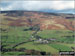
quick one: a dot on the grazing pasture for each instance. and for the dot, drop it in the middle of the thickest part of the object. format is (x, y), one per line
(17, 35)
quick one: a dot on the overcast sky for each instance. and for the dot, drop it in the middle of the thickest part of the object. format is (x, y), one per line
(49, 5)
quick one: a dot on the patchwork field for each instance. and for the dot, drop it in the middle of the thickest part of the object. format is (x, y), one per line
(19, 37)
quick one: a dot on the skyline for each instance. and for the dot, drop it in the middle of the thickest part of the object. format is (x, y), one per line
(60, 6)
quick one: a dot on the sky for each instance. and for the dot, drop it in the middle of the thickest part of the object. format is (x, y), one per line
(61, 6)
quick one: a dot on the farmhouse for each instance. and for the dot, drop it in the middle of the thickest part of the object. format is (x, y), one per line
(42, 41)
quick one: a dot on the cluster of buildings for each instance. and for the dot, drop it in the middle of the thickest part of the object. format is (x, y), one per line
(42, 40)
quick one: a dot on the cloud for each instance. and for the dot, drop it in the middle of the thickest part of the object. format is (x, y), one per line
(36, 5)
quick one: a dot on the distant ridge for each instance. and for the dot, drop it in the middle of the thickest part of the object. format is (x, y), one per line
(12, 11)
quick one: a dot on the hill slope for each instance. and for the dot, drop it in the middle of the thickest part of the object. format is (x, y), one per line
(44, 20)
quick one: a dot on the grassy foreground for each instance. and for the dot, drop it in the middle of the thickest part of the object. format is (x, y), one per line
(64, 40)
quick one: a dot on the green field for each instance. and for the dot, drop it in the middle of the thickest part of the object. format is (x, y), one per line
(17, 35)
(60, 35)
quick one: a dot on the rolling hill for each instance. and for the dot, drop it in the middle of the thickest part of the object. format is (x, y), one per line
(18, 27)
(45, 20)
